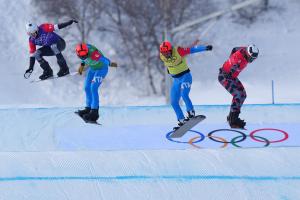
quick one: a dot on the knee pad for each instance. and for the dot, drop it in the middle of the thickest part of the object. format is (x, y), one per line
(38, 56)
(55, 49)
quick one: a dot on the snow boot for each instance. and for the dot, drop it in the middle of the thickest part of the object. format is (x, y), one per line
(234, 120)
(181, 122)
(84, 111)
(47, 73)
(92, 116)
(63, 72)
(191, 114)
(64, 69)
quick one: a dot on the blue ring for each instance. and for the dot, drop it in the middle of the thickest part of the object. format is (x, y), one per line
(202, 137)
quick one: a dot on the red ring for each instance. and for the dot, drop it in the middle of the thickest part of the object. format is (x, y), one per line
(286, 135)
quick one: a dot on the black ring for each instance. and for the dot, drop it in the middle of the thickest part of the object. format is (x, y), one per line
(243, 135)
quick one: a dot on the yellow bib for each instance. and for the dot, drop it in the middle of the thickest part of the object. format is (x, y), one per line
(176, 64)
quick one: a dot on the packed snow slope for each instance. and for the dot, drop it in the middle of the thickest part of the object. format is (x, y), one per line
(130, 128)
(49, 153)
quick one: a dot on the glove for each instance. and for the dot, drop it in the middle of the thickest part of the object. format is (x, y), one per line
(29, 70)
(81, 69)
(28, 73)
(74, 20)
(209, 47)
(113, 64)
(68, 23)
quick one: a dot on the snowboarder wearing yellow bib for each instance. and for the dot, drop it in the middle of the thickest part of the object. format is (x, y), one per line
(175, 61)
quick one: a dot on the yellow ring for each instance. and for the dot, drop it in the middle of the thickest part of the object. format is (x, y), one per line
(225, 143)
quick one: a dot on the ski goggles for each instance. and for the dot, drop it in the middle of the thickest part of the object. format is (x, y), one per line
(34, 34)
(252, 57)
(82, 55)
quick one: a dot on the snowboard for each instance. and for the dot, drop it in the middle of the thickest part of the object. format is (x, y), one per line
(187, 126)
(53, 77)
(87, 121)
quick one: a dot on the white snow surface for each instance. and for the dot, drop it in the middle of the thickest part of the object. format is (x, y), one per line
(55, 129)
(41, 160)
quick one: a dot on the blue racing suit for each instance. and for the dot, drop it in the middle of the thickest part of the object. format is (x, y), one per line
(182, 84)
(98, 69)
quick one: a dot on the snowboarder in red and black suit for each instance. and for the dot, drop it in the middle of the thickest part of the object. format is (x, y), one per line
(228, 77)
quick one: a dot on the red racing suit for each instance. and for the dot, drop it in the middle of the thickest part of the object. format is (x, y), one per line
(229, 72)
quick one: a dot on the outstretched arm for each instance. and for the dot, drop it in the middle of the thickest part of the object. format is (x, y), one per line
(201, 48)
(195, 49)
(65, 24)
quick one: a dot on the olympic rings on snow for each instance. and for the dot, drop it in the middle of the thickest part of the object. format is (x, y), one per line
(201, 138)
(244, 136)
(191, 141)
(234, 141)
(286, 135)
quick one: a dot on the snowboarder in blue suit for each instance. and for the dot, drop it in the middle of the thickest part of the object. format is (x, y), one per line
(98, 68)
(174, 60)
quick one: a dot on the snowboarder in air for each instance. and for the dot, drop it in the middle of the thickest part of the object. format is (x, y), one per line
(52, 45)
(175, 61)
(98, 65)
(228, 77)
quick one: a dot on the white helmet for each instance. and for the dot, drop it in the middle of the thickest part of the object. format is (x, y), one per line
(31, 28)
(253, 51)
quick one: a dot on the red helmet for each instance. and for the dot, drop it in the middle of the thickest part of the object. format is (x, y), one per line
(165, 47)
(82, 50)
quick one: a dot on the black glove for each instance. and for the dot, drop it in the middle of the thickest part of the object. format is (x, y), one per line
(113, 64)
(209, 47)
(68, 23)
(28, 72)
(73, 21)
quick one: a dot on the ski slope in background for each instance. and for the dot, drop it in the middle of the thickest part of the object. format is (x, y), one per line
(49, 153)
(276, 33)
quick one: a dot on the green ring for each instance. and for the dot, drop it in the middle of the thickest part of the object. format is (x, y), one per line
(234, 143)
